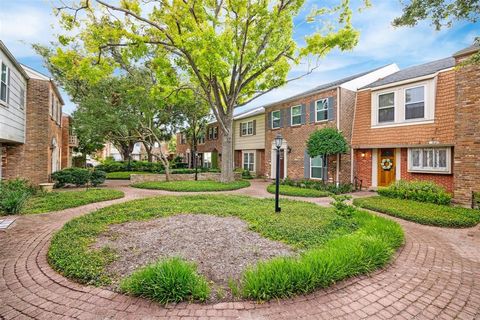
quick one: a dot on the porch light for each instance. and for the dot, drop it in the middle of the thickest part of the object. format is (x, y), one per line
(363, 154)
(278, 141)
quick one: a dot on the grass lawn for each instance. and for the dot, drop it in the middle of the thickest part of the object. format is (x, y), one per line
(421, 212)
(193, 186)
(298, 192)
(124, 175)
(59, 200)
(335, 244)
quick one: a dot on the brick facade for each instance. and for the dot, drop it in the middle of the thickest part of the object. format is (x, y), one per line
(467, 132)
(33, 160)
(297, 136)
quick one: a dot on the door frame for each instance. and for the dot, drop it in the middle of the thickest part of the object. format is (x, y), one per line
(273, 159)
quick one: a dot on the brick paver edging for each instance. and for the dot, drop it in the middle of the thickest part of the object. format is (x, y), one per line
(436, 275)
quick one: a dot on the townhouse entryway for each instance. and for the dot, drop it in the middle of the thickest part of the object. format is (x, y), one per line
(386, 166)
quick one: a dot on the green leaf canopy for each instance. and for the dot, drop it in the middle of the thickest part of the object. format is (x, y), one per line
(327, 141)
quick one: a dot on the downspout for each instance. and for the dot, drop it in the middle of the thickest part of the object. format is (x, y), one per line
(337, 177)
(351, 148)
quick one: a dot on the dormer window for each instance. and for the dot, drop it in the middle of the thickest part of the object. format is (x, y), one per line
(386, 107)
(415, 103)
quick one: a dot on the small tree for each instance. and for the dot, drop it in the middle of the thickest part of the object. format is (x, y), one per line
(326, 142)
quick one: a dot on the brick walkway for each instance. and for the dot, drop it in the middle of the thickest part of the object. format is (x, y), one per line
(436, 275)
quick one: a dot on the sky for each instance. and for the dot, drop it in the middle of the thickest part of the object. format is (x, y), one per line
(23, 22)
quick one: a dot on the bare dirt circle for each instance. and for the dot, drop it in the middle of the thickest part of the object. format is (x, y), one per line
(221, 247)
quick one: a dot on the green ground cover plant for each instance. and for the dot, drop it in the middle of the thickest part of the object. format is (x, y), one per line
(192, 186)
(287, 190)
(423, 191)
(341, 241)
(318, 185)
(14, 194)
(171, 280)
(124, 175)
(59, 200)
(421, 212)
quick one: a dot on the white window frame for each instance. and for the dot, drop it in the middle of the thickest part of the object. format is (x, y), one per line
(279, 119)
(248, 126)
(322, 167)
(405, 102)
(205, 163)
(386, 107)
(423, 169)
(215, 133)
(254, 160)
(7, 83)
(325, 108)
(298, 115)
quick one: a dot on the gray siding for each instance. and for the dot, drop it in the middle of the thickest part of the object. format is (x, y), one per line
(12, 114)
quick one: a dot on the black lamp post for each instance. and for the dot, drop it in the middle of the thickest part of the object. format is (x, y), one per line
(278, 145)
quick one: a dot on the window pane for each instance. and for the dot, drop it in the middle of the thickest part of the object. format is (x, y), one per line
(317, 161)
(4, 73)
(322, 115)
(415, 110)
(296, 120)
(316, 173)
(322, 105)
(276, 119)
(251, 157)
(386, 115)
(415, 158)
(442, 158)
(427, 158)
(386, 100)
(3, 92)
(414, 95)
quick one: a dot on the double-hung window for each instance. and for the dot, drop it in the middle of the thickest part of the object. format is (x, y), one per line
(246, 128)
(321, 110)
(415, 103)
(316, 167)
(386, 107)
(429, 160)
(296, 115)
(201, 139)
(215, 133)
(4, 83)
(276, 119)
(249, 161)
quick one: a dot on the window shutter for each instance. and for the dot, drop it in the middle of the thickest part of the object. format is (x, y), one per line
(325, 168)
(306, 165)
(331, 113)
(303, 112)
(312, 112)
(254, 127)
(269, 120)
(281, 118)
(240, 125)
(288, 113)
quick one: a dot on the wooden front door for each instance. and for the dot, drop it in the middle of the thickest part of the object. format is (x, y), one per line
(386, 166)
(282, 164)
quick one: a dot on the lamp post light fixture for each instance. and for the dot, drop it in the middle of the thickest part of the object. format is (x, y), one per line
(278, 145)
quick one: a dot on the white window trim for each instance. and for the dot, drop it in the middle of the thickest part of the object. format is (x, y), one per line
(291, 115)
(324, 109)
(387, 107)
(254, 159)
(322, 167)
(279, 118)
(246, 128)
(447, 170)
(405, 102)
(7, 83)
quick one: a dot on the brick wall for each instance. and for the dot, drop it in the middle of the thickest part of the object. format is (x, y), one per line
(445, 180)
(363, 166)
(66, 152)
(296, 137)
(442, 130)
(467, 133)
(32, 160)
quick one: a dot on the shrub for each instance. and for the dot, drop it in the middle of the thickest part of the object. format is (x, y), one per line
(14, 194)
(172, 280)
(246, 174)
(78, 177)
(97, 177)
(319, 185)
(423, 191)
(287, 190)
(421, 212)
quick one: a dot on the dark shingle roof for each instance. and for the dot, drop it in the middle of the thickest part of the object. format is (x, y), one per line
(326, 86)
(415, 72)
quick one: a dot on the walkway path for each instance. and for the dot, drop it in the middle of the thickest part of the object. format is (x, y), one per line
(436, 275)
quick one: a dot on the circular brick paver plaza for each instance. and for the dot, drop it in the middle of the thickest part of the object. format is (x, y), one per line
(435, 275)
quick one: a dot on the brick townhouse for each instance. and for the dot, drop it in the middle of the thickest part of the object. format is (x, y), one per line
(419, 124)
(31, 134)
(295, 118)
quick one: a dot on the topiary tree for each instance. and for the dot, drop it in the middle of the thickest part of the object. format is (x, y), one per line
(326, 142)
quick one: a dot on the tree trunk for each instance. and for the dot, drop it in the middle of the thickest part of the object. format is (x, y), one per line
(148, 148)
(227, 152)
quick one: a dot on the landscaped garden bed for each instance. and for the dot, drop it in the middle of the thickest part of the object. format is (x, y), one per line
(274, 256)
(123, 175)
(192, 186)
(422, 212)
(293, 191)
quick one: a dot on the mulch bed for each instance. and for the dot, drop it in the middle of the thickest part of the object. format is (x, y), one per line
(222, 247)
